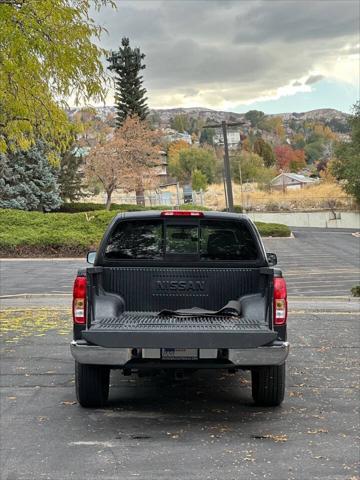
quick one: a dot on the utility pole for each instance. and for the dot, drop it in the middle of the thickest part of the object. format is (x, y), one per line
(226, 197)
(227, 171)
(241, 186)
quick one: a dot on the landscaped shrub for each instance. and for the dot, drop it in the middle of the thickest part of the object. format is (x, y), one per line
(237, 209)
(79, 207)
(62, 234)
(273, 229)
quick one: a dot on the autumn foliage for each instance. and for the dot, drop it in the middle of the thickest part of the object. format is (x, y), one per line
(127, 159)
(288, 159)
(175, 148)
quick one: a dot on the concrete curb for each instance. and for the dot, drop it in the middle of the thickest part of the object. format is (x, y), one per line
(41, 259)
(309, 299)
(36, 295)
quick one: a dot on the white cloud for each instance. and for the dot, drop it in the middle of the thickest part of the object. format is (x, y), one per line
(218, 53)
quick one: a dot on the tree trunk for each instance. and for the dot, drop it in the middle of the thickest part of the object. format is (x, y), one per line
(140, 196)
(108, 200)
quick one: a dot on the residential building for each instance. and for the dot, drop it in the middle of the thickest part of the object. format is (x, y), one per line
(286, 181)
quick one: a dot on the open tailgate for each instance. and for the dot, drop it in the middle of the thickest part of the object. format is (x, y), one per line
(148, 330)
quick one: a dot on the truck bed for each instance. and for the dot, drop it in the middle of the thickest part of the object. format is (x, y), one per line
(148, 330)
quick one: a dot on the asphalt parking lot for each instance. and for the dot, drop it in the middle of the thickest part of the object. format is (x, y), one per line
(316, 262)
(201, 427)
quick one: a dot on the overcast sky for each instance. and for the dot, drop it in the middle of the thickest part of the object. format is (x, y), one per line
(274, 55)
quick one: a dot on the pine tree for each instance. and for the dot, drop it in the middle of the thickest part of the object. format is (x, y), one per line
(70, 177)
(130, 97)
(27, 180)
(207, 136)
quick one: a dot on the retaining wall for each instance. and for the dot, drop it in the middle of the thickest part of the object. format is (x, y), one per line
(323, 219)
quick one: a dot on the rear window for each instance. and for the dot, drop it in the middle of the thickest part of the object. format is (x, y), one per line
(136, 240)
(227, 241)
(204, 240)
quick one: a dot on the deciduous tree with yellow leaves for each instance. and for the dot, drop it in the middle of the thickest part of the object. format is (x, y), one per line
(47, 54)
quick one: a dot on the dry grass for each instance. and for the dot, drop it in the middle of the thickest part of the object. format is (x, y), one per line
(325, 195)
(320, 196)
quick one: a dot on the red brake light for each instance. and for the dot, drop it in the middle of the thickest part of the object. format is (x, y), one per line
(181, 213)
(79, 300)
(280, 301)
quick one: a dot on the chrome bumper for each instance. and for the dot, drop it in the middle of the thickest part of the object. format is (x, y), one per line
(92, 354)
(274, 354)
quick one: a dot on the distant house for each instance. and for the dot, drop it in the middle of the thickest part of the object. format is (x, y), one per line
(175, 136)
(286, 181)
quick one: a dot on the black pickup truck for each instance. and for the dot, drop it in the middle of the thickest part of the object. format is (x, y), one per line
(180, 290)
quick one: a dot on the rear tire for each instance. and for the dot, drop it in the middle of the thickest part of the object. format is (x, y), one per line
(268, 385)
(92, 384)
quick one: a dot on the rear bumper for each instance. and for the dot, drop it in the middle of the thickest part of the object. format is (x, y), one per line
(274, 354)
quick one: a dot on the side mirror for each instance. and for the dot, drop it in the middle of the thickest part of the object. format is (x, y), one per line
(272, 259)
(90, 257)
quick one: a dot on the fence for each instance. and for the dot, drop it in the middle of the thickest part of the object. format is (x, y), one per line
(154, 199)
(251, 201)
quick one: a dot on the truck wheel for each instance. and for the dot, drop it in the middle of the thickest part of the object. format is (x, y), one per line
(92, 384)
(268, 385)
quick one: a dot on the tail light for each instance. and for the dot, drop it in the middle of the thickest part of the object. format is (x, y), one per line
(280, 301)
(79, 300)
(181, 213)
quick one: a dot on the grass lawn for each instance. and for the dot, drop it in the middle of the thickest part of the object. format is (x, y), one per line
(69, 234)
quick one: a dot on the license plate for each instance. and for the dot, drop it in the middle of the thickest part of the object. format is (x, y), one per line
(179, 354)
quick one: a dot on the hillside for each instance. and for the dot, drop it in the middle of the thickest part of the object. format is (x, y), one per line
(336, 119)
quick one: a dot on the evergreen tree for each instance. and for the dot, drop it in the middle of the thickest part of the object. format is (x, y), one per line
(130, 97)
(27, 180)
(70, 178)
(255, 117)
(264, 150)
(207, 136)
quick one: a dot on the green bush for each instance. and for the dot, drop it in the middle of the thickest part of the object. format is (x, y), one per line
(273, 229)
(237, 209)
(124, 207)
(64, 234)
(91, 207)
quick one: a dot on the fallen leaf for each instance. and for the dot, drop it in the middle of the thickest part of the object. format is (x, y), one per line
(295, 394)
(42, 419)
(322, 349)
(68, 402)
